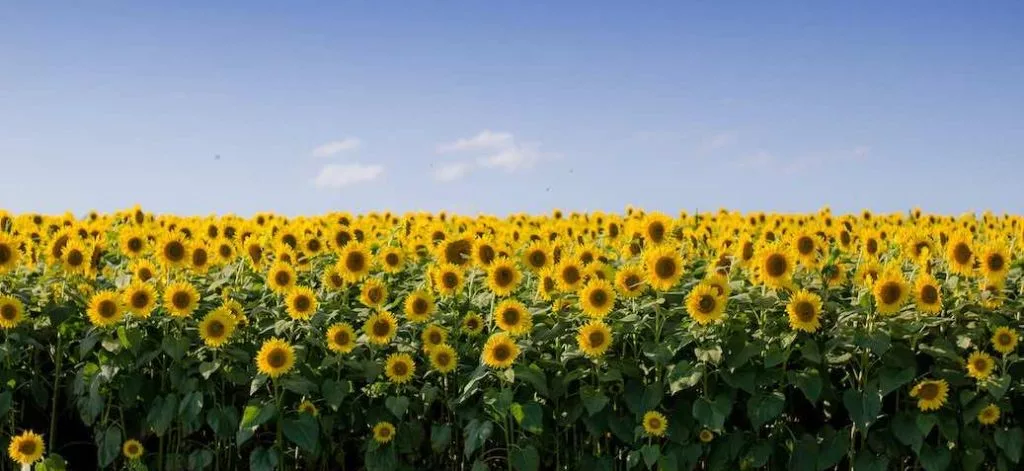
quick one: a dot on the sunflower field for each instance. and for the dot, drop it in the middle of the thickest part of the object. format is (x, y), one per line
(599, 341)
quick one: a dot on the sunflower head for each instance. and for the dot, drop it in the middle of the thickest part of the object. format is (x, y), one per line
(597, 298)
(281, 277)
(980, 365)
(1004, 340)
(775, 265)
(216, 327)
(706, 436)
(399, 368)
(655, 424)
(629, 281)
(443, 358)
(132, 449)
(447, 279)
(105, 309)
(307, 407)
(139, 298)
(275, 358)
(704, 304)
(927, 294)
(391, 259)
(383, 432)
(380, 328)
(989, 414)
(432, 336)
(181, 298)
(341, 338)
(890, 291)
(594, 338)
(804, 311)
(930, 394)
(512, 316)
(354, 261)
(301, 303)
(500, 351)
(419, 306)
(26, 448)
(12, 312)
(503, 277)
(472, 324)
(172, 250)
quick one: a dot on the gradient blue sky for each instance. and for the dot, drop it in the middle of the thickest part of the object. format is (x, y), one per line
(511, 106)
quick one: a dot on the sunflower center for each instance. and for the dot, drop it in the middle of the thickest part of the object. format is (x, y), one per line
(665, 267)
(282, 278)
(381, 328)
(890, 292)
(6, 254)
(961, 253)
(654, 423)
(224, 250)
(503, 276)
(571, 275)
(450, 280)
(776, 265)
(1004, 339)
(805, 245)
(255, 253)
(290, 240)
(355, 262)
(134, 244)
(342, 238)
(75, 258)
(420, 306)
(872, 246)
(302, 303)
(442, 359)
(996, 262)
(145, 274)
(199, 258)
(486, 254)
(391, 259)
(458, 251)
(215, 328)
(598, 298)
(501, 352)
(181, 299)
(400, 368)
(472, 323)
(929, 295)
(107, 309)
(804, 311)
(341, 338)
(133, 449)
(656, 231)
(27, 447)
(385, 432)
(8, 312)
(538, 258)
(313, 245)
(981, 364)
(632, 281)
(277, 358)
(139, 299)
(929, 391)
(844, 238)
(435, 338)
(510, 316)
(706, 304)
(596, 339)
(374, 294)
(174, 251)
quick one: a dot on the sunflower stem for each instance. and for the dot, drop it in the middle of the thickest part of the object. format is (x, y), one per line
(59, 363)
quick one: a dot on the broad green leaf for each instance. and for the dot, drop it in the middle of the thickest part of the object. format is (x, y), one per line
(762, 408)
(525, 459)
(303, 431)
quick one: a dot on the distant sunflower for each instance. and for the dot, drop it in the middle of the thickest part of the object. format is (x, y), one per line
(594, 338)
(927, 294)
(656, 228)
(930, 394)
(960, 254)
(236, 310)
(500, 351)
(225, 250)
(308, 408)
(301, 302)
(419, 306)
(704, 305)
(503, 277)
(432, 336)
(216, 327)
(569, 274)
(664, 267)
(868, 273)
(995, 261)
(706, 436)
(512, 316)
(254, 252)
(132, 242)
(443, 359)
(456, 251)
(989, 414)
(105, 309)
(373, 293)
(132, 449)
(76, 256)
(484, 252)
(536, 256)
(9, 253)
(181, 298)
(383, 432)
(629, 281)
(774, 266)
(172, 250)
(597, 298)
(448, 279)
(380, 328)
(980, 365)
(12, 312)
(891, 292)
(354, 262)
(1004, 340)
(143, 270)
(546, 285)
(720, 282)
(807, 247)
(834, 275)
(26, 448)
(341, 338)
(399, 368)
(473, 324)
(332, 279)
(139, 298)
(804, 310)
(992, 295)
(655, 423)
(275, 358)
(281, 277)
(391, 259)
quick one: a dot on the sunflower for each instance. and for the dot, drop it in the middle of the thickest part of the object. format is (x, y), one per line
(225, 250)
(804, 310)
(774, 265)
(512, 316)
(597, 298)
(341, 338)
(720, 282)
(960, 254)
(132, 242)
(12, 312)
(143, 270)
(867, 274)
(980, 365)
(132, 449)
(930, 394)
(301, 302)
(1004, 340)
(419, 306)
(76, 256)
(806, 245)
(281, 277)
(380, 328)
(307, 407)
(989, 414)
(254, 252)
(373, 293)
(992, 292)
(594, 338)
(105, 309)
(383, 432)
(546, 285)
(275, 358)
(443, 358)
(216, 327)
(656, 228)
(655, 423)
(927, 294)
(472, 324)
(236, 310)
(456, 251)
(447, 279)
(399, 368)
(172, 250)
(354, 262)
(9, 252)
(432, 336)
(664, 267)
(704, 305)
(995, 261)
(484, 252)
(503, 277)
(139, 298)
(706, 436)
(26, 448)
(500, 351)
(891, 292)
(181, 298)
(391, 259)
(629, 281)
(536, 256)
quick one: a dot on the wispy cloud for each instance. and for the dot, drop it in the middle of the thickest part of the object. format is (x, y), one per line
(451, 171)
(718, 141)
(334, 147)
(342, 175)
(490, 149)
(485, 140)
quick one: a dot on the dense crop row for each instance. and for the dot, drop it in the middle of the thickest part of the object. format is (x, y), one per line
(568, 341)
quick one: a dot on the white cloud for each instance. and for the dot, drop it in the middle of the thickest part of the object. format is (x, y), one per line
(334, 147)
(719, 141)
(451, 172)
(338, 176)
(494, 150)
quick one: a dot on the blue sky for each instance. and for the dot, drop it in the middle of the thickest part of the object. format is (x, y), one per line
(511, 106)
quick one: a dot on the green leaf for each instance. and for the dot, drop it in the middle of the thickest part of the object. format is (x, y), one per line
(534, 376)
(108, 445)
(712, 414)
(303, 431)
(530, 416)
(998, 386)
(175, 346)
(1011, 442)
(200, 459)
(440, 437)
(299, 385)
(650, 453)
(867, 460)
(935, 458)
(397, 405)
(775, 356)
(890, 379)
(762, 408)
(905, 430)
(53, 462)
(207, 368)
(711, 354)
(263, 459)
(808, 381)
(162, 413)
(833, 449)
(476, 434)
(863, 407)
(805, 455)
(525, 458)
(810, 351)
(925, 422)
(5, 402)
(593, 399)
(684, 375)
(334, 392)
